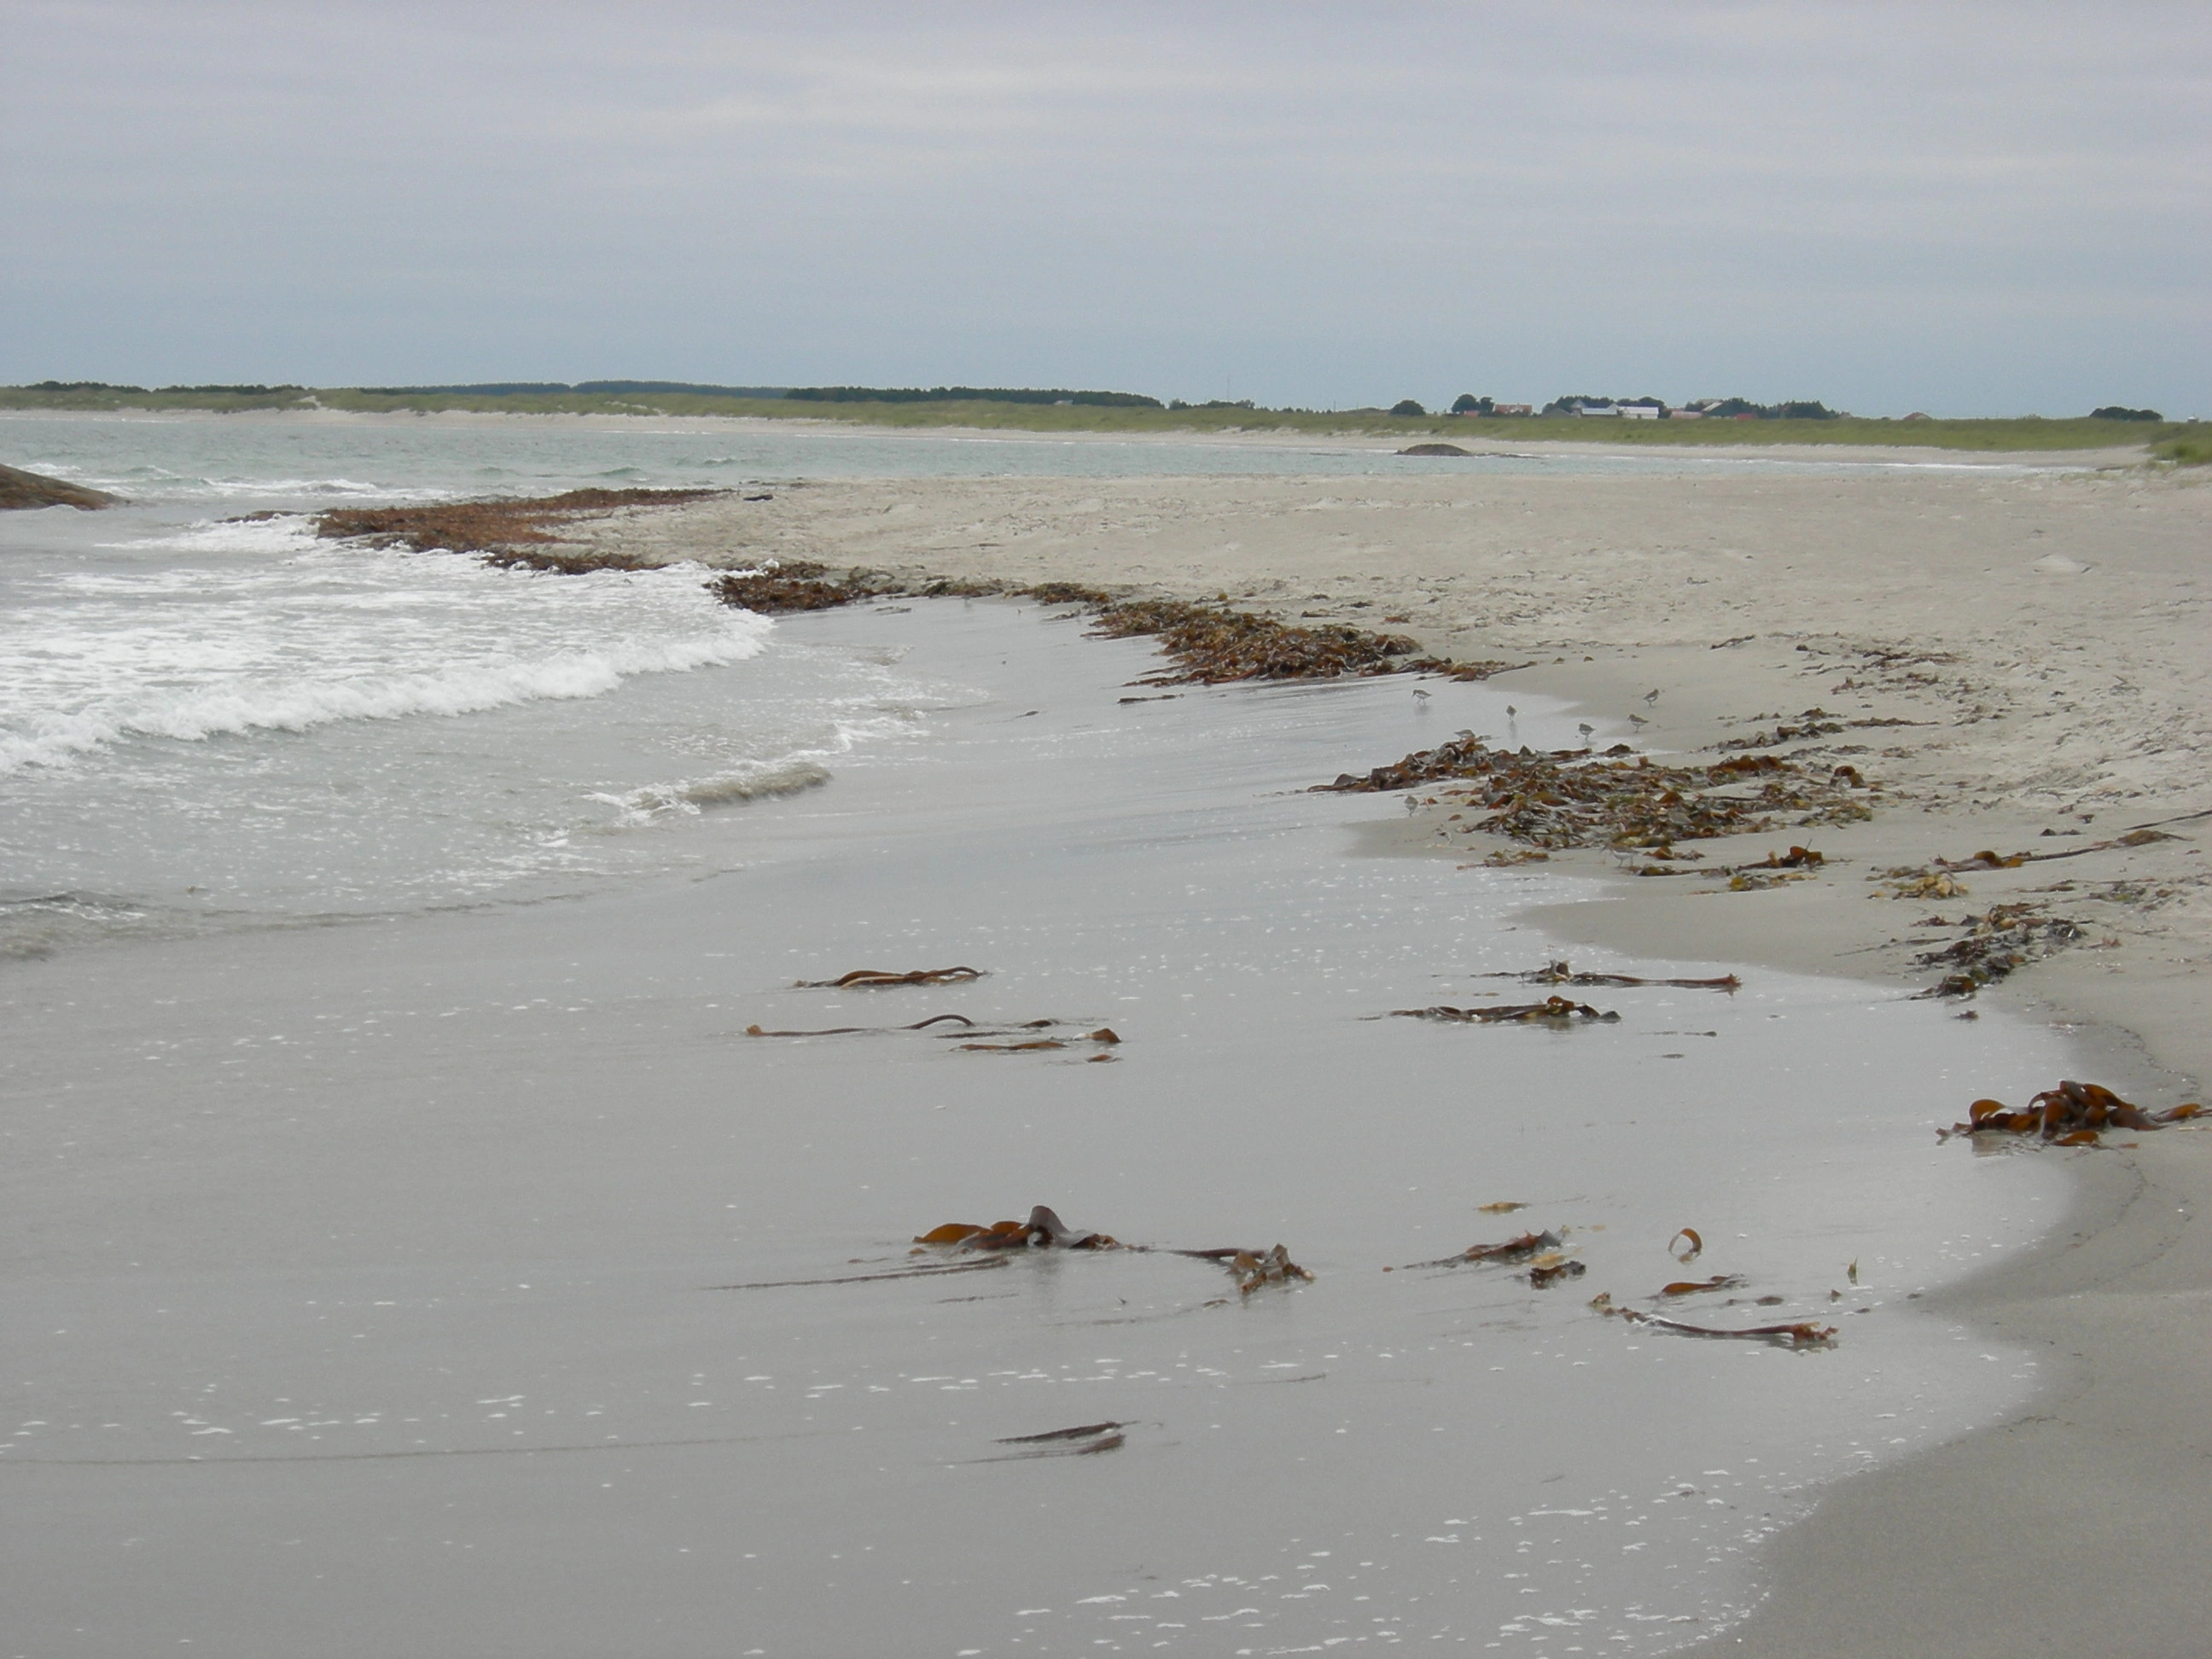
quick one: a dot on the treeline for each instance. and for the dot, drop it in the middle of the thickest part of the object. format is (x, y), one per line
(102, 385)
(561, 388)
(965, 394)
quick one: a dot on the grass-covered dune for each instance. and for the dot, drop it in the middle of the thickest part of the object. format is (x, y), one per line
(2188, 443)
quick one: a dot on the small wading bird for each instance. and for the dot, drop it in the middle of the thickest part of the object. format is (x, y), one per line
(1651, 695)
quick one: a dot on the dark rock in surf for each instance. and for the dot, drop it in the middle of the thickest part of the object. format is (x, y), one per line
(20, 489)
(1435, 449)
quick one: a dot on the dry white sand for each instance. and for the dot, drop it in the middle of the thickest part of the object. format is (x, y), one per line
(2044, 632)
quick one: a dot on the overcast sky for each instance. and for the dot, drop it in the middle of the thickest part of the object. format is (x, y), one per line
(1965, 208)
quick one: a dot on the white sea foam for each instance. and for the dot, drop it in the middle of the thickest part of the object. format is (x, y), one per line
(272, 630)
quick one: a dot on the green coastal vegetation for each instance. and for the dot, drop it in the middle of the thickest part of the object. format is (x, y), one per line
(1734, 422)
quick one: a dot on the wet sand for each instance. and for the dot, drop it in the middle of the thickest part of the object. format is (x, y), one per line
(474, 1282)
(2042, 632)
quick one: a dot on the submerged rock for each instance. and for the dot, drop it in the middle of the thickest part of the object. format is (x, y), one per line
(1435, 449)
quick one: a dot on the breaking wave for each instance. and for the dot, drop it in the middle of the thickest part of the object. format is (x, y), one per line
(300, 705)
(692, 796)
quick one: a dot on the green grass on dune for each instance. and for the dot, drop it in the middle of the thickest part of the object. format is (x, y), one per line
(2185, 444)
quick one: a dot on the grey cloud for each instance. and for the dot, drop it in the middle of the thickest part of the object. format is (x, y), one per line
(1991, 207)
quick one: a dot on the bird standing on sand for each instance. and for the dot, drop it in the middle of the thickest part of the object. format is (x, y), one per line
(1651, 695)
(1586, 728)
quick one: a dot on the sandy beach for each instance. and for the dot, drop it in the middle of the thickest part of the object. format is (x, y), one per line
(476, 1182)
(2031, 638)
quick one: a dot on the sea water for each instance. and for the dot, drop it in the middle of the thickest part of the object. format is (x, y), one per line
(209, 717)
(405, 1260)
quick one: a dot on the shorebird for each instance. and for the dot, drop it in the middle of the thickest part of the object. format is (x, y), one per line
(1586, 728)
(1511, 711)
(1637, 719)
(1651, 695)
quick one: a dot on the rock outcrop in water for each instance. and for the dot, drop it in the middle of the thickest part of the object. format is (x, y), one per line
(19, 489)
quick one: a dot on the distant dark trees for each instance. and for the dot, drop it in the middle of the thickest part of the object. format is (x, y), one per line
(81, 385)
(1729, 408)
(2115, 412)
(966, 394)
(1216, 403)
(561, 388)
(1468, 404)
(1407, 406)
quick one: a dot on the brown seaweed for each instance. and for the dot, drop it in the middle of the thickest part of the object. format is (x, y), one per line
(1104, 1035)
(1804, 1334)
(1526, 1248)
(1085, 1440)
(851, 1031)
(1696, 1246)
(777, 588)
(1254, 1269)
(1560, 973)
(1571, 798)
(1082, 1432)
(1210, 643)
(1997, 945)
(1044, 1229)
(1551, 1011)
(2071, 1114)
(1700, 1286)
(2142, 836)
(502, 529)
(1813, 723)
(934, 1271)
(868, 978)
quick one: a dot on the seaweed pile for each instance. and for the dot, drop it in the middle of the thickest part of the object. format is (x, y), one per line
(1541, 1253)
(1044, 1231)
(1208, 643)
(2071, 1114)
(1573, 798)
(1813, 723)
(777, 588)
(1212, 643)
(1563, 973)
(509, 532)
(2006, 938)
(1551, 1011)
